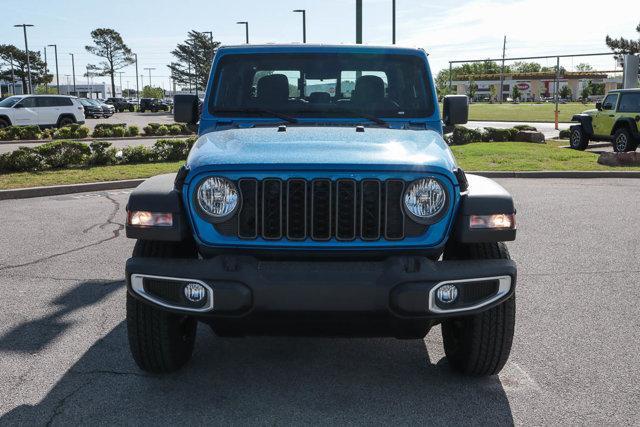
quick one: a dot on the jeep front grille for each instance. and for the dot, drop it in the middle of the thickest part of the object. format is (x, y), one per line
(321, 209)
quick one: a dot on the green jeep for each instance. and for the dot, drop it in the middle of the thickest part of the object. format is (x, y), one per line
(616, 119)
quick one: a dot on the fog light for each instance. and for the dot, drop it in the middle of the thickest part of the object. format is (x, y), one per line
(150, 219)
(195, 292)
(447, 294)
(496, 221)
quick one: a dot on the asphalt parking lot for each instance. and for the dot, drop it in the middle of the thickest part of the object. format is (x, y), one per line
(64, 357)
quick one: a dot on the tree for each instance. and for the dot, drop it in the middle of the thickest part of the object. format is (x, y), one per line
(493, 92)
(473, 88)
(152, 92)
(565, 92)
(110, 46)
(38, 73)
(46, 90)
(526, 67)
(515, 93)
(586, 91)
(129, 93)
(193, 59)
(584, 67)
(624, 46)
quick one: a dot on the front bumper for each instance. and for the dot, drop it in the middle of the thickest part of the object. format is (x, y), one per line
(401, 287)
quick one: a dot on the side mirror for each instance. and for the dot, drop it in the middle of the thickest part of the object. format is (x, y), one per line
(599, 106)
(185, 109)
(455, 111)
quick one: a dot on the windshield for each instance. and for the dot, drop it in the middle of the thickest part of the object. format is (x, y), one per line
(10, 101)
(322, 85)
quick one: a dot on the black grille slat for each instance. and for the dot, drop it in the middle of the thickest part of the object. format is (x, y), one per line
(346, 209)
(296, 209)
(272, 209)
(321, 203)
(370, 202)
(394, 216)
(248, 216)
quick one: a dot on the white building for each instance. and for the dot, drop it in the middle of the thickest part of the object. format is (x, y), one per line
(95, 90)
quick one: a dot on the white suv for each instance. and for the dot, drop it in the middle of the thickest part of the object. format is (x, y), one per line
(41, 110)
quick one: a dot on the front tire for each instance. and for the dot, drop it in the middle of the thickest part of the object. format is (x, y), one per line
(160, 342)
(623, 141)
(480, 344)
(578, 139)
(3, 123)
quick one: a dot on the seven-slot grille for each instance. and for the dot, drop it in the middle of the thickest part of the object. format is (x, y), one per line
(321, 209)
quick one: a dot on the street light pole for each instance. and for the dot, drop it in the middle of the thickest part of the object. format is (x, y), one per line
(55, 52)
(358, 21)
(120, 73)
(149, 69)
(246, 29)
(46, 71)
(13, 76)
(393, 22)
(73, 71)
(26, 49)
(304, 24)
(137, 88)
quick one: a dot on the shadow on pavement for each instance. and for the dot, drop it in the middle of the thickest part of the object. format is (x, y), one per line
(270, 381)
(33, 335)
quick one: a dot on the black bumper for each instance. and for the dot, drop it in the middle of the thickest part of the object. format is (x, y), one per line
(398, 287)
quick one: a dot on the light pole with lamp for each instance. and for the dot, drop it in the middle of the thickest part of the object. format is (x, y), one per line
(304, 23)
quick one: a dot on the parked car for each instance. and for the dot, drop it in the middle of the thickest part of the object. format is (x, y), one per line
(41, 110)
(91, 109)
(121, 104)
(152, 104)
(616, 119)
(321, 213)
(108, 110)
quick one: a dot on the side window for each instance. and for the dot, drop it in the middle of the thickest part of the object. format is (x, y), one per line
(629, 103)
(45, 101)
(348, 80)
(609, 102)
(28, 102)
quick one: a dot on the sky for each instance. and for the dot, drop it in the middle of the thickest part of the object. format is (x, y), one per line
(447, 30)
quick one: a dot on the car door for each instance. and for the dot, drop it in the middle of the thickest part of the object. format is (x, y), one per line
(629, 105)
(25, 112)
(605, 118)
(48, 110)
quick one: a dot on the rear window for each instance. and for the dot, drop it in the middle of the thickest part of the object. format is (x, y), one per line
(629, 103)
(321, 85)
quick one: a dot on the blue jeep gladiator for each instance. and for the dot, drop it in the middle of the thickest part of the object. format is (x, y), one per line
(321, 199)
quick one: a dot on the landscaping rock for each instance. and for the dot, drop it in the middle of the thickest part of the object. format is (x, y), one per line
(530, 136)
(631, 158)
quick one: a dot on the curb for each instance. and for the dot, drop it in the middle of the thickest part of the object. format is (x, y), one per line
(88, 140)
(56, 190)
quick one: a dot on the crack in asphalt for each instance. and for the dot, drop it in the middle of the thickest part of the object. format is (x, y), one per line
(57, 410)
(107, 222)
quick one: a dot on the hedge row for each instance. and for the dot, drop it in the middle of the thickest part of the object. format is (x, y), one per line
(101, 130)
(157, 129)
(462, 135)
(118, 130)
(62, 154)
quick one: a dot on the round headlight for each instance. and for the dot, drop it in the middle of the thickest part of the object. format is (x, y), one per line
(217, 197)
(425, 199)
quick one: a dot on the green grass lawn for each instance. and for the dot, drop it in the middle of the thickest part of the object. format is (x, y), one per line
(524, 156)
(479, 156)
(525, 112)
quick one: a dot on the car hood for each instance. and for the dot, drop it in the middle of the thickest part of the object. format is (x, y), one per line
(590, 112)
(308, 147)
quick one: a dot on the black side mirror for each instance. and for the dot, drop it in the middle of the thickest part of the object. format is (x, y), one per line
(185, 109)
(599, 106)
(455, 111)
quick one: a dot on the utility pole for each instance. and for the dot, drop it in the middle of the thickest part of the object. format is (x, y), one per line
(73, 71)
(246, 29)
(504, 49)
(120, 73)
(149, 69)
(142, 81)
(557, 84)
(13, 76)
(137, 88)
(89, 85)
(304, 24)
(393, 20)
(26, 49)
(46, 71)
(55, 51)
(358, 21)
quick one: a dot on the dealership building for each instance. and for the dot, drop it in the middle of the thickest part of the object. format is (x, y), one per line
(533, 86)
(95, 90)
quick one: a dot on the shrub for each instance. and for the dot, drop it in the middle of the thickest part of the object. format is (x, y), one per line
(148, 130)
(461, 135)
(137, 154)
(565, 134)
(119, 131)
(498, 135)
(162, 130)
(170, 150)
(190, 142)
(71, 131)
(110, 125)
(24, 159)
(525, 127)
(30, 132)
(59, 154)
(133, 131)
(102, 154)
(175, 130)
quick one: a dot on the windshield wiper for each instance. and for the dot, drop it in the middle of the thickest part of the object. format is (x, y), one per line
(260, 111)
(370, 117)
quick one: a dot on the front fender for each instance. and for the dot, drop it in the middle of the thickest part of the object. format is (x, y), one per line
(585, 121)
